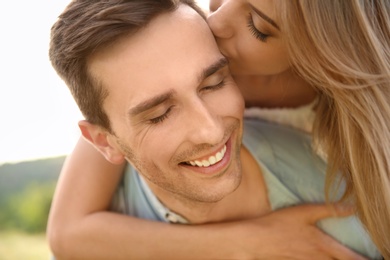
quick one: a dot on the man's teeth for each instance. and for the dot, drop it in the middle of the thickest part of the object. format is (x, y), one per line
(211, 160)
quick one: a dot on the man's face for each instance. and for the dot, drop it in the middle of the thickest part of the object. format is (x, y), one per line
(174, 108)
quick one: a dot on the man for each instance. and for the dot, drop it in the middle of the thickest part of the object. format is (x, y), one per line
(156, 91)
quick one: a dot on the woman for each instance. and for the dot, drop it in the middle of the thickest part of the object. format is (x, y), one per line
(347, 70)
(346, 58)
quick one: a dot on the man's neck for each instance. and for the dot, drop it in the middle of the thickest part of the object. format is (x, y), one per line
(247, 201)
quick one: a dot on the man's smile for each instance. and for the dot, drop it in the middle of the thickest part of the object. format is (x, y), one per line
(211, 160)
(216, 162)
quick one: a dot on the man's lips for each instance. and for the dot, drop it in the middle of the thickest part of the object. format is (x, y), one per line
(212, 163)
(210, 160)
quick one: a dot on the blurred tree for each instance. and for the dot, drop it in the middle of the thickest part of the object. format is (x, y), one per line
(26, 189)
(28, 210)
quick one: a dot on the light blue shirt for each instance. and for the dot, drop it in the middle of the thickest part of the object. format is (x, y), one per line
(293, 173)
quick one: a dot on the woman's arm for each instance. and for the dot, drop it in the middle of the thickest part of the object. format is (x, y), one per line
(80, 227)
(85, 187)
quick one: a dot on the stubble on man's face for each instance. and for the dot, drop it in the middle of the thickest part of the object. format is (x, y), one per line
(168, 175)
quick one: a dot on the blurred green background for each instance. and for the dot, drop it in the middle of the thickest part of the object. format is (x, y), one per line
(26, 191)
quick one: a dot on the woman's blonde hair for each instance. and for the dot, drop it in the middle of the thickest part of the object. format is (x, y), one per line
(342, 48)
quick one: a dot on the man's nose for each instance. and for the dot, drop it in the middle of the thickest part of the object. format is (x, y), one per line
(205, 126)
(220, 18)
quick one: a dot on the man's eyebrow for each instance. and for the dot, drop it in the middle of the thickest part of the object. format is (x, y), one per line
(150, 103)
(157, 100)
(210, 70)
(265, 17)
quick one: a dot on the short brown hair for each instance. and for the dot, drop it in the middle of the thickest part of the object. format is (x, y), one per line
(85, 27)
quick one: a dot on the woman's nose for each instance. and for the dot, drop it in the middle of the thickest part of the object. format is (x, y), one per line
(220, 18)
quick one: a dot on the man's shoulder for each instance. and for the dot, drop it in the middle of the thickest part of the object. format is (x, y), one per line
(269, 128)
(284, 150)
(274, 135)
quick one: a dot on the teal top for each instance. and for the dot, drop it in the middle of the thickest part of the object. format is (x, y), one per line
(293, 173)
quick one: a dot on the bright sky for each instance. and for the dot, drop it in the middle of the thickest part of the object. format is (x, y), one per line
(38, 115)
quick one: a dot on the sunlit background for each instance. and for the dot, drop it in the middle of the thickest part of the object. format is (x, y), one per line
(38, 115)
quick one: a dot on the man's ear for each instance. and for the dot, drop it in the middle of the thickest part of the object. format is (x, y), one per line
(101, 140)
